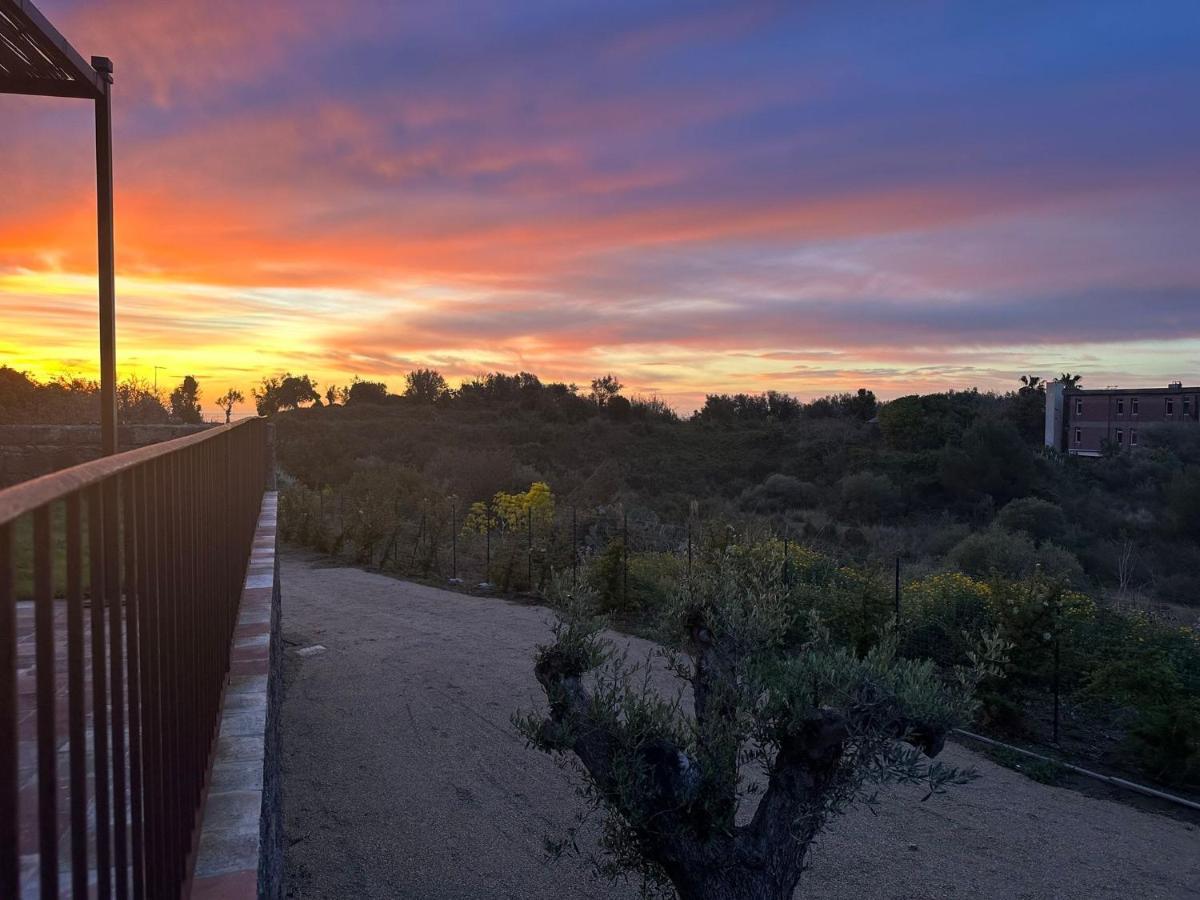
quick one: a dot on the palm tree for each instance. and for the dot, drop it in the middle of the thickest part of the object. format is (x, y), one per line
(1070, 380)
(1031, 383)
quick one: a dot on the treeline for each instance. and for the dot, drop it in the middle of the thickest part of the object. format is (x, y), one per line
(26, 400)
(954, 480)
(429, 387)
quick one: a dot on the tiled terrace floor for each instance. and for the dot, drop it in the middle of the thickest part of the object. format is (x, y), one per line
(244, 711)
(27, 719)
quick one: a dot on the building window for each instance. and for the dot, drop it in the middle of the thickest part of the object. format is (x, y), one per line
(1133, 406)
(1120, 435)
(1187, 405)
(1132, 437)
(1079, 406)
(1170, 406)
(1120, 406)
(1079, 435)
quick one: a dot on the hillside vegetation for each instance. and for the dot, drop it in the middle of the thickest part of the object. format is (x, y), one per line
(943, 481)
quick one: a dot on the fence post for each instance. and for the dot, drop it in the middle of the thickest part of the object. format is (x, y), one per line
(897, 590)
(574, 547)
(1055, 671)
(453, 543)
(625, 560)
(787, 581)
(529, 545)
(689, 533)
(487, 530)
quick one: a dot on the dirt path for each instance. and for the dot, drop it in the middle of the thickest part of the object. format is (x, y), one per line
(404, 778)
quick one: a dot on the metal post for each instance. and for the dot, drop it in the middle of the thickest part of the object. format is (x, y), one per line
(487, 528)
(689, 533)
(529, 545)
(625, 556)
(574, 547)
(897, 590)
(104, 239)
(1056, 661)
(787, 583)
(453, 543)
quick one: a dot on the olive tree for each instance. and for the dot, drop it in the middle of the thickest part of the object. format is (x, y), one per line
(771, 717)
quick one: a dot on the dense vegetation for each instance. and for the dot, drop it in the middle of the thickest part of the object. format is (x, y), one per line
(492, 482)
(956, 480)
(508, 480)
(24, 400)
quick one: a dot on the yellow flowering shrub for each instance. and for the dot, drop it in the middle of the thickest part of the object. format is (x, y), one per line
(509, 512)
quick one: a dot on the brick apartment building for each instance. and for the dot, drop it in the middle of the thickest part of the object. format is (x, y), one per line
(1083, 422)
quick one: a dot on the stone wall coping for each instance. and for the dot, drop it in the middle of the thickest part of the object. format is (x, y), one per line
(233, 859)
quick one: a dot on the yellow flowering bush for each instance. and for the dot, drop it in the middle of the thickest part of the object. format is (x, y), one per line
(508, 512)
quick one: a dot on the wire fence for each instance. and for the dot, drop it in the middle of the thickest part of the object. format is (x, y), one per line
(633, 560)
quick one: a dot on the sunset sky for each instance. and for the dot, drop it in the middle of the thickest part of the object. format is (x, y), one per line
(696, 196)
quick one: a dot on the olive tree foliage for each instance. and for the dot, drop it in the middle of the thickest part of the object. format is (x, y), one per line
(228, 400)
(769, 711)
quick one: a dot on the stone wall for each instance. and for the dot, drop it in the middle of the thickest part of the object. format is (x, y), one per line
(28, 451)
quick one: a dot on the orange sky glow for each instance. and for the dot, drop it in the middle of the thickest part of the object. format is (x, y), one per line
(702, 198)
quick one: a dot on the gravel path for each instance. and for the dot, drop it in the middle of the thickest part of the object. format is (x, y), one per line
(404, 778)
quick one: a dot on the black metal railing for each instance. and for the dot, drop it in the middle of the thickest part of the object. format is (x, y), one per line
(129, 570)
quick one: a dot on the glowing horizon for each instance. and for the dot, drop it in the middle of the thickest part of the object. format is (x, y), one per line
(719, 198)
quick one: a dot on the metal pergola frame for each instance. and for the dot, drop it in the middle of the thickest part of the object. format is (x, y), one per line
(35, 59)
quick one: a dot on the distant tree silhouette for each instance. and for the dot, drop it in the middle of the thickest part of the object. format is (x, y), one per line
(366, 392)
(425, 386)
(228, 400)
(1070, 380)
(777, 406)
(287, 391)
(1027, 411)
(138, 403)
(185, 401)
(619, 408)
(862, 404)
(335, 395)
(604, 389)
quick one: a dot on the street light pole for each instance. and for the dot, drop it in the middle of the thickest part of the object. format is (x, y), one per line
(104, 234)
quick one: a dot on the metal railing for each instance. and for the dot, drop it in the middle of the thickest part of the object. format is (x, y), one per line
(130, 570)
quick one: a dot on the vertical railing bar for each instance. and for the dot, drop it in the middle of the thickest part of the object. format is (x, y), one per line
(164, 673)
(188, 642)
(135, 585)
(206, 641)
(47, 752)
(152, 686)
(166, 696)
(76, 699)
(172, 696)
(112, 573)
(201, 740)
(98, 585)
(10, 868)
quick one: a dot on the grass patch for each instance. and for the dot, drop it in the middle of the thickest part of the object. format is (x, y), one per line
(1041, 771)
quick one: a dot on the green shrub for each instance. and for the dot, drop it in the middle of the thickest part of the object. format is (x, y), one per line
(1165, 742)
(1039, 519)
(300, 516)
(994, 551)
(779, 493)
(867, 497)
